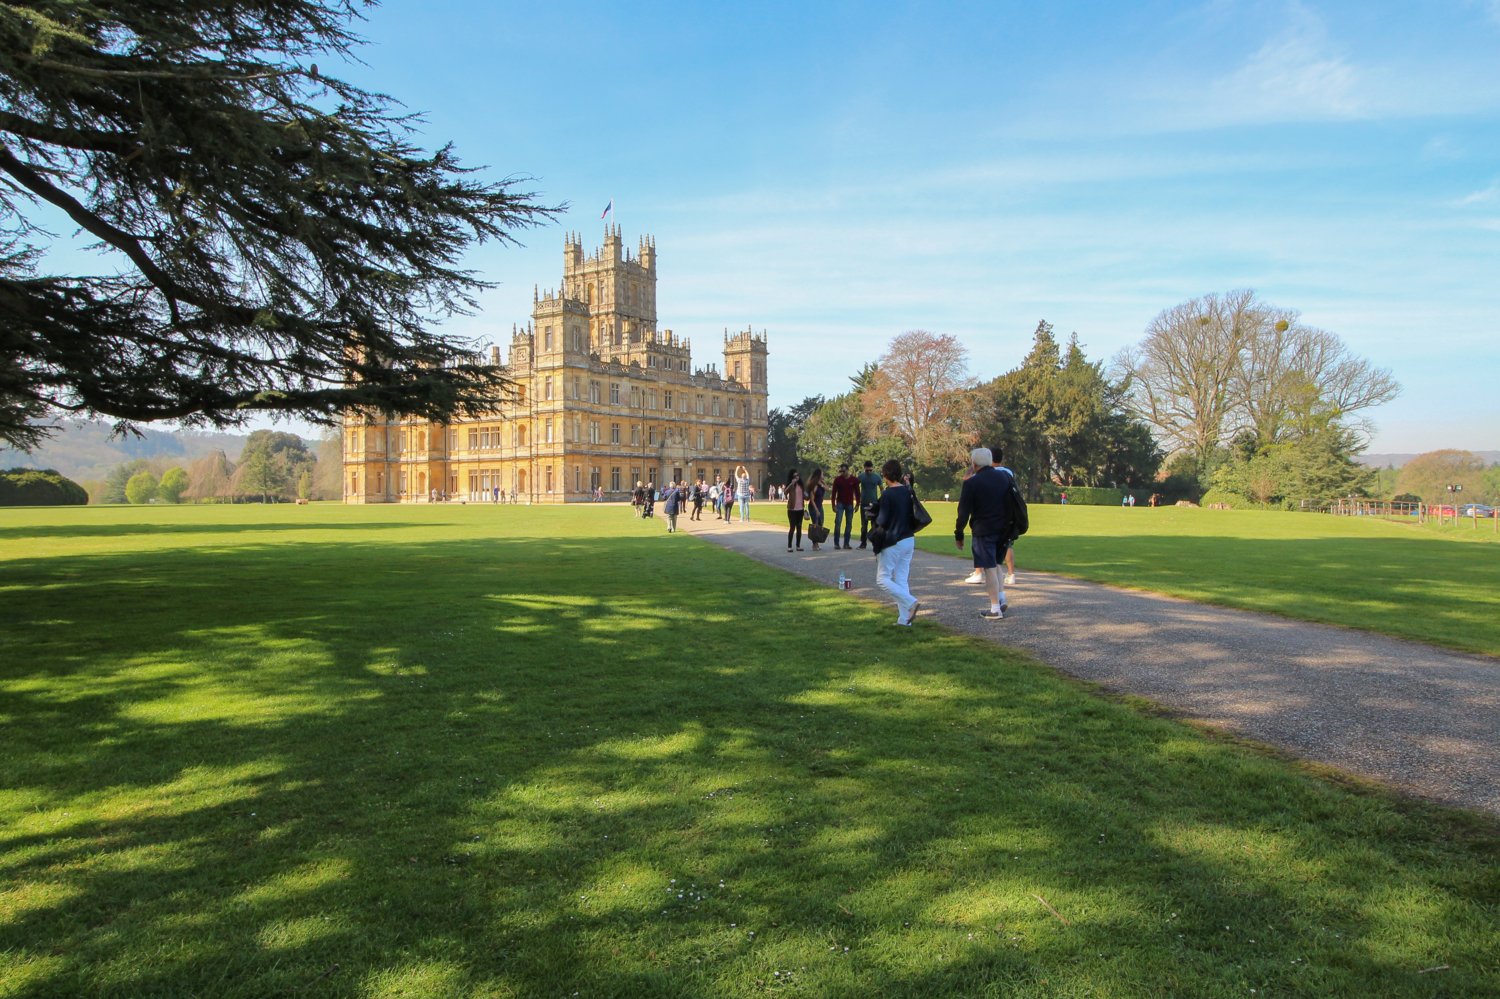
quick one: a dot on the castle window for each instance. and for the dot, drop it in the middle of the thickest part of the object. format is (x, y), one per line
(578, 478)
(594, 479)
(666, 398)
(654, 400)
(547, 339)
(700, 440)
(635, 435)
(549, 478)
(731, 407)
(731, 441)
(577, 430)
(716, 440)
(614, 433)
(716, 407)
(594, 392)
(700, 404)
(453, 442)
(614, 393)
(548, 425)
(576, 382)
(736, 370)
(651, 436)
(614, 479)
(547, 387)
(473, 439)
(401, 444)
(635, 398)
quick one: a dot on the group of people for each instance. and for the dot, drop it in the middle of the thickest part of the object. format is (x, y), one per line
(680, 496)
(990, 508)
(804, 506)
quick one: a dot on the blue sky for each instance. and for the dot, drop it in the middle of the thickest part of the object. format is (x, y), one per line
(836, 173)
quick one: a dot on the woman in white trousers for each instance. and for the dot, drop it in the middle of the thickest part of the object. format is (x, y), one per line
(897, 526)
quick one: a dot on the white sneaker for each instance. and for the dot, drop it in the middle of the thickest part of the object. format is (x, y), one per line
(1010, 579)
(977, 576)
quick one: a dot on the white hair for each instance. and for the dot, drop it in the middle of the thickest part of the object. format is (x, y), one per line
(982, 457)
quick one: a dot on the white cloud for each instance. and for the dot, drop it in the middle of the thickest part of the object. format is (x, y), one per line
(1293, 75)
(1483, 197)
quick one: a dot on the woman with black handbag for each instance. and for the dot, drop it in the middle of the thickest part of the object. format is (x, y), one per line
(815, 493)
(894, 538)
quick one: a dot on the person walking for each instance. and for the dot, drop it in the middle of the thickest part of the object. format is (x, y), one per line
(815, 493)
(894, 538)
(983, 507)
(638, 498)
(672, 506)
(977, 576)
(713, 494)
(697, 498)
(650, 499)
(845, 497)
(743, 491)
(795, 507)
(869, 495)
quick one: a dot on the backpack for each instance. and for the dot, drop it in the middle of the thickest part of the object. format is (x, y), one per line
(1015, 506)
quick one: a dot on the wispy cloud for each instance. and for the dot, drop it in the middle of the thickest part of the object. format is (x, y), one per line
(1483, 197)
(1295, 74)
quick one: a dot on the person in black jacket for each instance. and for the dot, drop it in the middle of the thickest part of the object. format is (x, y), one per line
(983, 507)
(896, 531)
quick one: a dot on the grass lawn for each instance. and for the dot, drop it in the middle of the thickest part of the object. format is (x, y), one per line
(555, 752)
(1401, 579)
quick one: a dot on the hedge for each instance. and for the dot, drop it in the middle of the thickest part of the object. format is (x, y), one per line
(39, 487)
(1093, 496)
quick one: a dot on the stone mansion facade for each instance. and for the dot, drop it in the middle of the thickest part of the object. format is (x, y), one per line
(603, 399)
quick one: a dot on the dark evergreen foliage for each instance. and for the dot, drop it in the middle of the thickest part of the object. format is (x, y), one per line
(271, 238)
(39, 487)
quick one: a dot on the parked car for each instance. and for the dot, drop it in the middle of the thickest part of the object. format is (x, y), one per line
(1476, 510)
(1440, 510)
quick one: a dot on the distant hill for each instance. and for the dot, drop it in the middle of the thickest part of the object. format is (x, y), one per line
(1397, 460)
(85, 451)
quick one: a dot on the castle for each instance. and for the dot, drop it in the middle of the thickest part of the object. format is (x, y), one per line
(603, 399)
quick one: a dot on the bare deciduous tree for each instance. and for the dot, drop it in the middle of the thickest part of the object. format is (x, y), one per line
(1217, 366)
(1183, 373)
(914, 387)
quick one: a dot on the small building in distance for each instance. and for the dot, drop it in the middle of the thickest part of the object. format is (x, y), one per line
(603, 399)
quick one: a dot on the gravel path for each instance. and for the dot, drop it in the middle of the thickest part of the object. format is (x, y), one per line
(1414, 717)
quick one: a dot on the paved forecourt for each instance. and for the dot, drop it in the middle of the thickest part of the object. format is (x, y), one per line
(1415, 717)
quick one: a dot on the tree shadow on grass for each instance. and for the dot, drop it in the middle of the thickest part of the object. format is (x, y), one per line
(473, 766)
(133, 528)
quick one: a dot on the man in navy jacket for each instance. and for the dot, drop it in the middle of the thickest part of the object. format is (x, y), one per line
(983, 507)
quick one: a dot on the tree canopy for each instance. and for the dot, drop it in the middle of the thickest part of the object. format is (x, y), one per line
(271, 238)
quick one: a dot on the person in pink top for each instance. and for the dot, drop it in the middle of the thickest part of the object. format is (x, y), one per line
(796, 505)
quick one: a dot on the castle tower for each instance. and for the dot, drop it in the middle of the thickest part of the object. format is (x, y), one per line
(617, 291)
(745, 364)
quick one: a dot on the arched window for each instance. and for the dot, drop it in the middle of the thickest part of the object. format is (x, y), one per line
(421, 440)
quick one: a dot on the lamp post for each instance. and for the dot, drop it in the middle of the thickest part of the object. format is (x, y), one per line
(1453, 492)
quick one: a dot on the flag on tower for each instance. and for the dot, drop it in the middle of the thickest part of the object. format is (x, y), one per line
(608, 208)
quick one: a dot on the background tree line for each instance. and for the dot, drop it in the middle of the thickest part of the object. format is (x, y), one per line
(1226, 398)
(1057, 417)
(272, 467)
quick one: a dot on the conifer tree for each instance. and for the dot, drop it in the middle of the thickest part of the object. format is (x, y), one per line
(269, 236)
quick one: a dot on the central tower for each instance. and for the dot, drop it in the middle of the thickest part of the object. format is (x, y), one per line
(618, 290)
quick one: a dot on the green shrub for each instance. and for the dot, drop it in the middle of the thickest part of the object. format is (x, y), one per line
(39, 487)
(1092, 495)
(173, 481)
(141, 487)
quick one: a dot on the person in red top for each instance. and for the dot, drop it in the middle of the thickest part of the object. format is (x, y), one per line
(845, 500)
